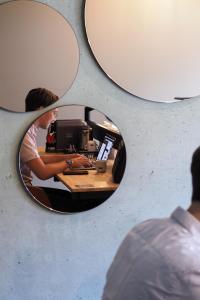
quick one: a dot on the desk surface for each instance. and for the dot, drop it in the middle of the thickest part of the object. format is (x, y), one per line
(91, 182)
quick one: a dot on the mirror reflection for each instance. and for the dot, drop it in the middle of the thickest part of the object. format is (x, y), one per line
(72, 158)
(38, 49)
(150, 48)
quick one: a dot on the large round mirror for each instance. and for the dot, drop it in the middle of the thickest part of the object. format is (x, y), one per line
(38, 49)
(72, 159)
(150, 48)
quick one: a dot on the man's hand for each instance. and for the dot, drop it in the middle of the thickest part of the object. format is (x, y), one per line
(80, 161)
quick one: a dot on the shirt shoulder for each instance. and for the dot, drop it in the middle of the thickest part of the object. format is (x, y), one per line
(28, 150)
(162, 255)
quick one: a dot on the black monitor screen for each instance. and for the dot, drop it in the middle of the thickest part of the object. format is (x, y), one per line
(68, 134)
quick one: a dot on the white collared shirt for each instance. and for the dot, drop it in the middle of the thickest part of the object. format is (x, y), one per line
(28, 151)
(159, 259)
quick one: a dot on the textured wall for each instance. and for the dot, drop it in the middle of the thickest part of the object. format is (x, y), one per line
(45, 255)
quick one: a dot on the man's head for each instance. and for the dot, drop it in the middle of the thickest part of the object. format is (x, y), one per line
(47, 118)
(39, 98)
(195, 170)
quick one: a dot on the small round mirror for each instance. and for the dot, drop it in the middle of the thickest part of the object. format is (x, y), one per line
(72, 159)
(38, 49)
(150, 48)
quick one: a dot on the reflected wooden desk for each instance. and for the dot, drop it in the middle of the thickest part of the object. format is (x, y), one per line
(91, 182)
(87, 190)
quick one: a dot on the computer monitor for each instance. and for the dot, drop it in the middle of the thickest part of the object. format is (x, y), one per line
(119, 163)
(69, 134)
(106, 148)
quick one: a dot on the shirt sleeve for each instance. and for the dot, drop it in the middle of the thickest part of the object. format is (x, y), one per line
(28, 149)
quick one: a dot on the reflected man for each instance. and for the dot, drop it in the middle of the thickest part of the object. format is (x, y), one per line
(46, 166)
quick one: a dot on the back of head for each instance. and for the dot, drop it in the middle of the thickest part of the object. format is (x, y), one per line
(195, 170)
(39, 97)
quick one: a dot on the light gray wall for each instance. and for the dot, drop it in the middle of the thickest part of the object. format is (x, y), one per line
(44, 255)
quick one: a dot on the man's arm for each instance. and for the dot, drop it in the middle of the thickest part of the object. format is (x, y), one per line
(47, 170)
(53, 158)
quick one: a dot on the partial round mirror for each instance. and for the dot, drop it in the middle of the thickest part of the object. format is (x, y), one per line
(72, 159)
(150, 48)
(38, 49)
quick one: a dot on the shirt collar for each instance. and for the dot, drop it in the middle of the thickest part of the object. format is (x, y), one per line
(187, 220)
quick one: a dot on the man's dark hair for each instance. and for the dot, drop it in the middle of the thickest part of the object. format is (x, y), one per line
(39, 97)
(195, 170)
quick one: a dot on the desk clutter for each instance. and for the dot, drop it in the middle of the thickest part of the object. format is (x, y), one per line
(75, 172)
(76, 136)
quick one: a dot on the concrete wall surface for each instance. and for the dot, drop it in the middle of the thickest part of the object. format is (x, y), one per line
(49, 256)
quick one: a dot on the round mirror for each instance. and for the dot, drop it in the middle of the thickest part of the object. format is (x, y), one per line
(38, 49)
(150, 48)
(72, 159)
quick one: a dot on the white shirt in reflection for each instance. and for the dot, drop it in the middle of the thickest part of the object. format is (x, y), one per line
(28, 151)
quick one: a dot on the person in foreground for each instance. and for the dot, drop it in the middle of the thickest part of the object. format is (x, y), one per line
(46, 166)
(159, 259)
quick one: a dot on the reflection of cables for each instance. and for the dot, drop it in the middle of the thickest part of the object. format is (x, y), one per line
(72, 148)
